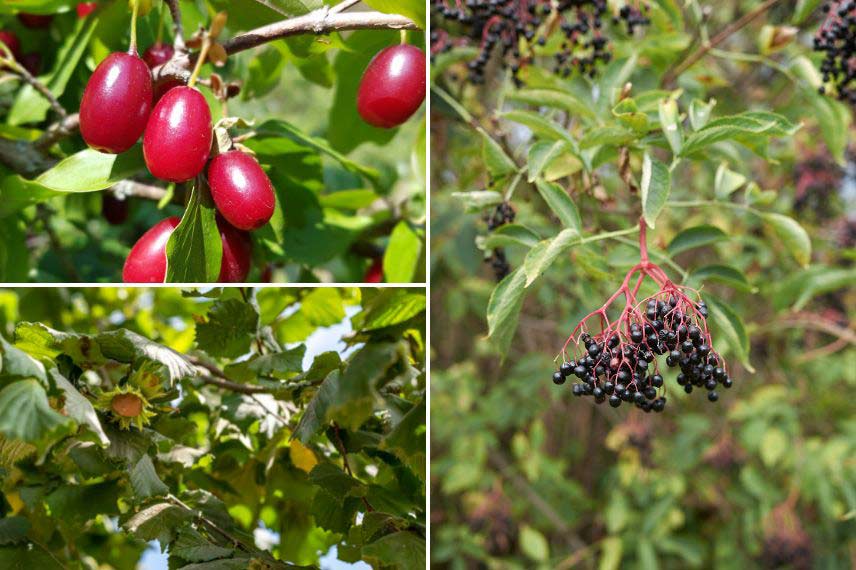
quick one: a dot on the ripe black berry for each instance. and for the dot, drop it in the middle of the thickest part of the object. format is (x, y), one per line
(712, 396)
(558, 378)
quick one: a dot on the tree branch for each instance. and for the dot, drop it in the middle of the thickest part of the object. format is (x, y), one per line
(177, 28)
(671, 75)
(58, 131)
(8, 62)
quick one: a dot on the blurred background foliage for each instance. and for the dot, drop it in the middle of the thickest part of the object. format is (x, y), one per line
(289, 480)
(338, 203)
(526, 476)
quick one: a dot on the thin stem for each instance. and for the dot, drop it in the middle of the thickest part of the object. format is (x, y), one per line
(9, 62)
(132, 49)
(203, 54)
(207, 522)
(344, 452)
(178, 29)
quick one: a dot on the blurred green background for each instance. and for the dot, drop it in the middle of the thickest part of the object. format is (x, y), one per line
(524, 475)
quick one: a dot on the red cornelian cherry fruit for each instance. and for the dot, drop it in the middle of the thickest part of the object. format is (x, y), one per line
(116, 103)
(241, 190)
(12, 42)
(147, 261)
(374, 274)
(35, 21)
(114, 210)
(85, 8)
(392, 87)
(158, 54)
(178, 136)
(237, 253)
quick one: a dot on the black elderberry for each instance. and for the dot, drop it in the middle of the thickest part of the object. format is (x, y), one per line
(688, 388)
(614, 401)
(656, 380)
(597, 391)
(558, 378)
(658, 405)
(710, 384)
(727, 382)
(650, 393)
(608, 387)
(567, 368)
(687, 347)
(712, 396)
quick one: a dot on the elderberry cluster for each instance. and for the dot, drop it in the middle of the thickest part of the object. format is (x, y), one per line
(514, 26)
(621, 365)
(837, 39)
(503, 214)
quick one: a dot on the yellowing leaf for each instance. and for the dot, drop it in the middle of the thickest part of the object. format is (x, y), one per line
(302, 457)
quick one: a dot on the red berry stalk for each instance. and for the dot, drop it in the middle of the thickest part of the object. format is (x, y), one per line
(617, 359)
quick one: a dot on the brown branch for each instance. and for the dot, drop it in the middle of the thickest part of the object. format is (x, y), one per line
(672, 74)
(209, 523)
(177, 28)
(13, 66)
(344, 452)
(58, 131)
(139, 190)
(319, 22)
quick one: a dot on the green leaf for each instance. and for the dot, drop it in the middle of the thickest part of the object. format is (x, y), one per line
(336, 482)
(407, 439)
(13, 529)
(727, 182)
(792, 236)
(14, 254)
(194, 251)
(533, 544)
(17, 364)
(723, 274)
(670, 118)
(228, 330)
(503, 309)
(145, 480)
(391, 307)
(834, 119)
(541, 154)
(545, 253)
(656, 186)
(401, 549)
(77, 504)
(159, 521)
(627, 113)
(478, 200)
(797, 290)
(696, 236)
(612, 135)
(26, 414)
(561, 204)
(193, 547)
(90, 170)
(25, 557)
(736, 127)
(79, 408)
(127, 346)
(804, 9)
(32, 107)
(647, 555)
(402, 255)
(700, 113)
(540, 125)
(731, 327)
(278, 365)
(511, 234)
(773, 446)
(498, 163)
(553, 98)
(413, 9)
(611, 549)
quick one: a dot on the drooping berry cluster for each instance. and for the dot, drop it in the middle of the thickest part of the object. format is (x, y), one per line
(619, 363)
(837, 39)
(503, 214)
(514, 27)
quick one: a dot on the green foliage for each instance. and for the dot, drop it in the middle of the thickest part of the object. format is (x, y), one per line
(737, 168)
(244, 427)
(342, 186)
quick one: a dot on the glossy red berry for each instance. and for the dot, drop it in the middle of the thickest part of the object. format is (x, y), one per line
(158, 54)
(177, 141)
(147, 261)
(85, 8)
(114, 210)
(12, 42)
(35, 21)
(237, 253)
(116, 103)
(393, 86)
(241, 190)
(374, 274)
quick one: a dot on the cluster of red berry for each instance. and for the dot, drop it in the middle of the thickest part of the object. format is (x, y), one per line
(122, 103)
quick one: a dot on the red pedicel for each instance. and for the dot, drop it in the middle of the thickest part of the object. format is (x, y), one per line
(393, 86)
(241, 190)
(85, 8)
(237, 253)
(116, 103)
(12, 42)
(147, 261)
(158, 54)
(177, 141)
(35, 21)
(374, 274)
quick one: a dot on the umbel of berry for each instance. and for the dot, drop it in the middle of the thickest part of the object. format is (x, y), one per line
(393, 86)
(514, 30)
(619, 361)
